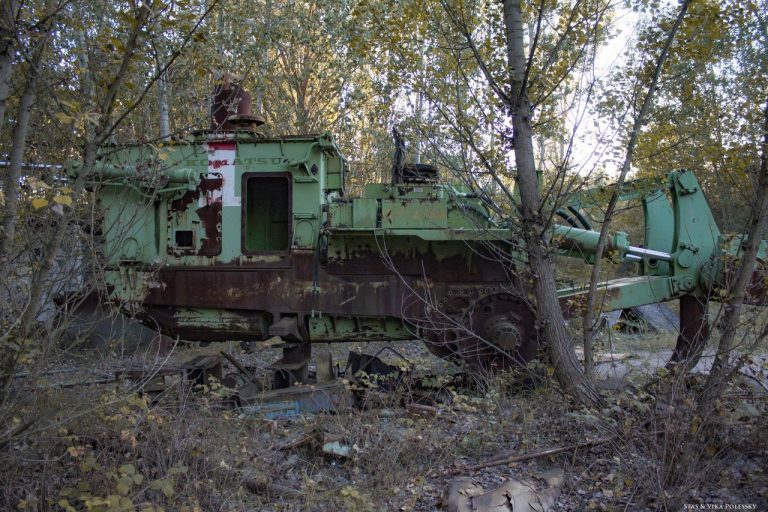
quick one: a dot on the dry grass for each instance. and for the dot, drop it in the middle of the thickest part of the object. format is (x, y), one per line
(108, 449)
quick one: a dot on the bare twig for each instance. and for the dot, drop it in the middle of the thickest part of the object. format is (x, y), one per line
(540, 454)
(258, 486)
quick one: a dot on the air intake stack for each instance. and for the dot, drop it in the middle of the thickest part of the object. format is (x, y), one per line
(231, 108)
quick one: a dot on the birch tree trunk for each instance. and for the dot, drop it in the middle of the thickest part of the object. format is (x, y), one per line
(87, 87)
(534, 226)
(264, 59)
(162, 101)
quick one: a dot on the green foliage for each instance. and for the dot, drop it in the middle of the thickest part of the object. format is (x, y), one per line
(710, 98)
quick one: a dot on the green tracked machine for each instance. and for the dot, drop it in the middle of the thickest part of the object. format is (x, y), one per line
(232, 235)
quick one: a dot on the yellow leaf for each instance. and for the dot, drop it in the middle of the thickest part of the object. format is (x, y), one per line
(64, 118)
(164, 485)
(695, 424)
(37, 184)
(127, 469)
(162, 156)
(71, 104)
(39, 202)
(167, 488)
(67, 506)
(65, 190)
(123, 489)
(89, 464)
(62, 199)
(76, 451)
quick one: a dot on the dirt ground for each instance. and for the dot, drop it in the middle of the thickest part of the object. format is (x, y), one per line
(104, 446)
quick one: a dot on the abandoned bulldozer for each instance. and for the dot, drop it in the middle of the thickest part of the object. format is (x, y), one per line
(233, 235)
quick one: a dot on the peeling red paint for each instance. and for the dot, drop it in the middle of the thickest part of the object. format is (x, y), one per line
(209, 214)
(217, 164)
(221, 145)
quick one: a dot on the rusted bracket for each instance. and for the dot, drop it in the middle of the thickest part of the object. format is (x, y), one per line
(240, 367)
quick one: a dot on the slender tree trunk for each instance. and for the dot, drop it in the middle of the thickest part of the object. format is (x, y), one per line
(18, 147)
(222, 38)
(589, 323)
(264, 59)
(8, 360)
(87, 88)
(420, 101)
(722, 367)
(163, 73)
(105, 129)
(6, 70)
(162, 101)
(534, 228)
(13, 177)
(8, 13)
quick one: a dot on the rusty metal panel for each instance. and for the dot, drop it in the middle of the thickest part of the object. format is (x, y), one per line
(208, 323)
(334, 168)
(356, 328)
(198, 231)
(295, 401)
(378, 191)
(404, 214)
(340, 215)
(364, 213)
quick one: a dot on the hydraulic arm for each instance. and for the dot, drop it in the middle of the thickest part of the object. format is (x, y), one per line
(684, 256)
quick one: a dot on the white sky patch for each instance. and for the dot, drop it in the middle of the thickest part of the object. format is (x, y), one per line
(596, 138)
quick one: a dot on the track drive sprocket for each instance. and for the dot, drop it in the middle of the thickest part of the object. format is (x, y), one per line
(496, 332)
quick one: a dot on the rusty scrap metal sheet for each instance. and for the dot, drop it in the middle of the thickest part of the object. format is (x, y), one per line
(298, 400)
